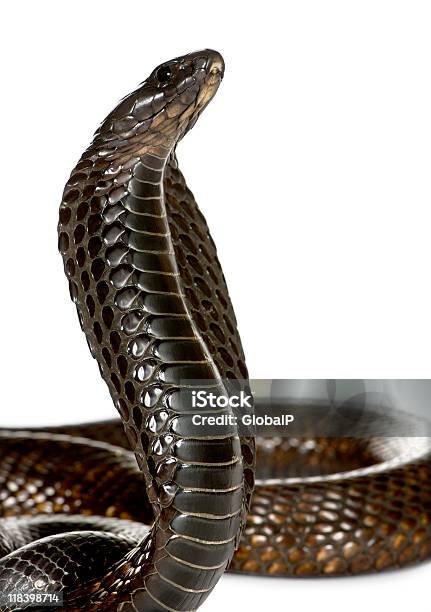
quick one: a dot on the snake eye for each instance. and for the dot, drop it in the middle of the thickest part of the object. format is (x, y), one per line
(163, 74)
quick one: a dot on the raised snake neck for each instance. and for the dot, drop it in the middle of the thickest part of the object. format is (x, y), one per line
(152, 301)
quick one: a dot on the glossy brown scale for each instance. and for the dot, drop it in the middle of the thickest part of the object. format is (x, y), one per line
(160, 522)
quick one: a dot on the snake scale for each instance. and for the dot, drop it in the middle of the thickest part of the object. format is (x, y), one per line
(153, 528)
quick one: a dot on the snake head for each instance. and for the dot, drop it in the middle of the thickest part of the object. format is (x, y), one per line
(164, 107)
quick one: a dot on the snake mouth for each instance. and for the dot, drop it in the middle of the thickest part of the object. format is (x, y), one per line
(214, 71)
(211, 66)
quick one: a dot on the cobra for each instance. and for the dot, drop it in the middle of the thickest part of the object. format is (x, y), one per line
(145, 514)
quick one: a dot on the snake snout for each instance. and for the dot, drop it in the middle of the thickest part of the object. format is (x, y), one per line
(216, 64)
(209, 60)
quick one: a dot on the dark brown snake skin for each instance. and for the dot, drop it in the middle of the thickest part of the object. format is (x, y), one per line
(154, 529)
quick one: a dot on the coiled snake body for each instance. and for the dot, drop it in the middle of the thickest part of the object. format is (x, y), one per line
(152, 301)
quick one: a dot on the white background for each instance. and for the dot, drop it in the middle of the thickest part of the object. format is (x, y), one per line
(312, 167)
